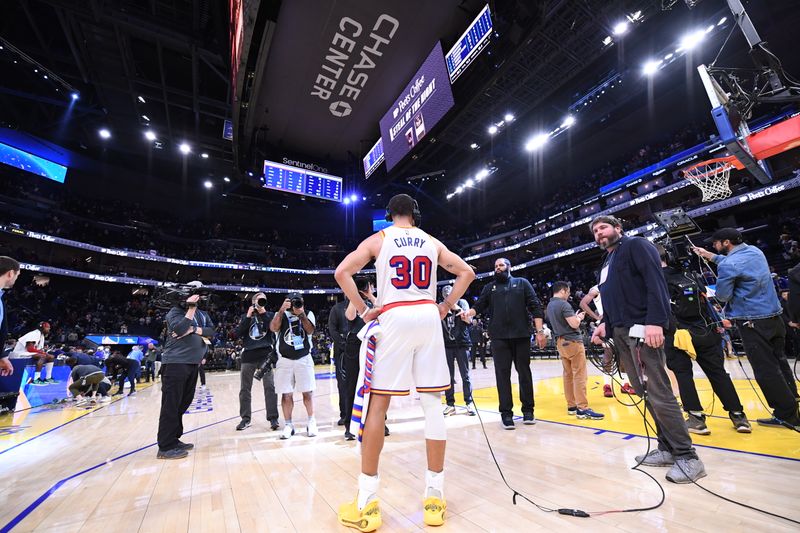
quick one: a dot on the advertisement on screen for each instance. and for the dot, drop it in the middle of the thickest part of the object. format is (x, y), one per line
(423, 102)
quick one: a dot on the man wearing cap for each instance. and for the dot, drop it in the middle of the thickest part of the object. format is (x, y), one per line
(31, 345)
(745, 285)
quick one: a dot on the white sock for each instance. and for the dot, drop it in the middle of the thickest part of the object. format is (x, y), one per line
(624, 377)
(289, 423)
(606, 379)
(434, 484)
(49, 369)
(367, 489)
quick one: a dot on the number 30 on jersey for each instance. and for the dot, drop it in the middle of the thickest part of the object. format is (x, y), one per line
(408, 271)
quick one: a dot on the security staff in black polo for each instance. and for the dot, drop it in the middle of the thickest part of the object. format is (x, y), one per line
(508, 300)
(690, 312)
(338, 328)
(188, 336)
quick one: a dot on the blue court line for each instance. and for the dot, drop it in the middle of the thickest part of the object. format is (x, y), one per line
(627, 437)
(49, 492)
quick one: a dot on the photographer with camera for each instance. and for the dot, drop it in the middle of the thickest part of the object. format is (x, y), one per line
(745, 285)
(690, 312)
(294, 370)
(188, 338)
(257, 360)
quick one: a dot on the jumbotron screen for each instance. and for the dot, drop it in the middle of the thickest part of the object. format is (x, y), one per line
(300, 181)
(470, 44)
(14, 157)
(423, 103)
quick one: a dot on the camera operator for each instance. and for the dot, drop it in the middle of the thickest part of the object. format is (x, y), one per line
(635, 315)
(338, 328)
(257, 359)
(294, 370)
(188, 337)
(9, 272)
(745, 283)
(690, 312)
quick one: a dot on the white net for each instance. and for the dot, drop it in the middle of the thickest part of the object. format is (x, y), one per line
(711, 178)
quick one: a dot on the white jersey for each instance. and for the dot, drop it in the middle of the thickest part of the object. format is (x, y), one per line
(20, 349)
(406, 266)
(598, 303)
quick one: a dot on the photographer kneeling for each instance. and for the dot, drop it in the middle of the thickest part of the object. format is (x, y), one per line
(257, 360)
(294, 370)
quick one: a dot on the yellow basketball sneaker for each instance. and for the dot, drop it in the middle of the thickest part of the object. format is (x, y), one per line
(433, 511)
(368, 519)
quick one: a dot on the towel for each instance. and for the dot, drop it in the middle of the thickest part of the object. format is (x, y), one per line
(369, 336)
(683, 341)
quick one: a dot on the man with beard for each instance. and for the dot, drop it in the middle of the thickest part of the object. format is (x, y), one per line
(745, 283)
(635, 314)
(508, 300)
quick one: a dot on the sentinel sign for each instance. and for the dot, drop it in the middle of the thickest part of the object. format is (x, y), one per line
(350, 60)
(423, 102)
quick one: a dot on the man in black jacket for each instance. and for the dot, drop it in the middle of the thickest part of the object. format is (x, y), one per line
(338, 329)
(508, 300)
(9, 272)
(690, 312)
(635, 314)
(189, 334)
(259, 349)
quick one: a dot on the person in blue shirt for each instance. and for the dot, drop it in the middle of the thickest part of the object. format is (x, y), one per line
(744, 284)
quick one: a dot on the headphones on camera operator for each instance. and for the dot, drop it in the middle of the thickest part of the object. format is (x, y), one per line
(416, 216)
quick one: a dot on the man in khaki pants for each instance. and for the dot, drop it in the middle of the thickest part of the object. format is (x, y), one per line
(569, 341)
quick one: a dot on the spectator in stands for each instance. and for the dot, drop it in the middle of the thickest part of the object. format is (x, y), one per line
(509, 300)
(9, 272)
(635, 315)
(31, 345)
(744, 282)
(295, 368)
(566, 324)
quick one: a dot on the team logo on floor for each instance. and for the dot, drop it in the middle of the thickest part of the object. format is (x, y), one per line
(5, 431)
(203, 402)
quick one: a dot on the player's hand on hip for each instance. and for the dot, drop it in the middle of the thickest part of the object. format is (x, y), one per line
(654, 336)
(372, 314)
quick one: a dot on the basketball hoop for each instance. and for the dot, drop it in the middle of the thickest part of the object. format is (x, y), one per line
(711, 177)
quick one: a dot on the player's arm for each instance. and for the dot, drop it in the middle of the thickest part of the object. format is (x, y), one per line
(460, 269)
(350, 265)
(585, 301)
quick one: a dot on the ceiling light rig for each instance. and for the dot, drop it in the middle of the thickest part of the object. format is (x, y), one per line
(472, 181)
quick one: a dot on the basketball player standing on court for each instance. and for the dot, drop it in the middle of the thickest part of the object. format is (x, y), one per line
(410, 350)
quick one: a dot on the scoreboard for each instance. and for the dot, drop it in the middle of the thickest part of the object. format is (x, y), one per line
(300, 181)
(469, 44)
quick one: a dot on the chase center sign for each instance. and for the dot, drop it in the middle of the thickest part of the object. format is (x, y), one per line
(350, 60)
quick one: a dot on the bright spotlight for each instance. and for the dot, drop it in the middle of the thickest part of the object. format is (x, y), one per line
(204, 155)
(474, 146)
(226, 179)
(607, 41)
(469, 182)
(354, 198)
(568, 121)
(691, 40)
(104, 134)
(722, 21)
(141, 99)
(146, 118)
(459, 189)
(508, 117)
(636, 16)
(149, 135)
(536, 142)
(184, 148)
(482, 173)
(620, 27)
(492, 129)
(207, 184)
(650, 67)
(346, 201)
(75, 96)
